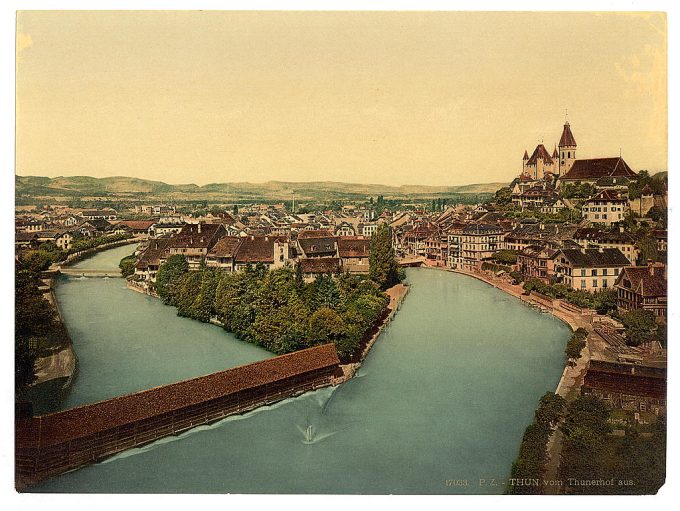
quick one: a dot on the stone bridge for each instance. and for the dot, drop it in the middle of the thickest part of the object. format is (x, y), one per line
(90, 272)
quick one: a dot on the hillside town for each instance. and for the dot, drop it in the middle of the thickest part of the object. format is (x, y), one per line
(583, 239)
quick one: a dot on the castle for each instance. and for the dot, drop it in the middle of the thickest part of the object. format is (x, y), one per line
(542, 164)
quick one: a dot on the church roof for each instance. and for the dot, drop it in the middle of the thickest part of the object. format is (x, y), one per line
(599, 167)
(567, 137)
(540, 152)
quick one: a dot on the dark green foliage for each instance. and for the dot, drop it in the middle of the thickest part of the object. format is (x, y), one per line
(550, 409)
(646, 244)
(276, 309)
(505, 256)
(577, 190)
(90, 243)
(589, 452)
(640, 326)
(36, 261)
(36, 326)
(503, 196)
(659, 215)
(487, 266)
(170, 271)
(383, 267)
(603, 301)
(532, 456)
(658, 186)
(127, 265)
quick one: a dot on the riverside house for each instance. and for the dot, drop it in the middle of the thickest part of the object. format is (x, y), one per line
(537, 262)
(476, 243)
(354, 254)
(194, 241)
(643, 287)
(589, 269)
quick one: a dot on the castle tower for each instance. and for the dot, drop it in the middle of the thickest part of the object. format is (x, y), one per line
(524, 161)
(567, 150)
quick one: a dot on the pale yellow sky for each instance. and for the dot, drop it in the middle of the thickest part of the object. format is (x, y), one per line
(395, 98)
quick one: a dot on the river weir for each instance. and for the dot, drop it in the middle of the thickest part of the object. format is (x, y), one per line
(445, 394)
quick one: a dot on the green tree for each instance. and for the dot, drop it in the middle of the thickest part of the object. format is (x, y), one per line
(36, 261)
(383, 267)
(503, 196)
(127, 265)
(168, 273)
(574, 348)
(640, 324)
(550, 409)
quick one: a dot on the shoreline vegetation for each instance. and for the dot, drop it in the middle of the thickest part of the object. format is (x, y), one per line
(282, 311)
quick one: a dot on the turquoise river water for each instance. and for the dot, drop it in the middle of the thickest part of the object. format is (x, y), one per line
(444, 395)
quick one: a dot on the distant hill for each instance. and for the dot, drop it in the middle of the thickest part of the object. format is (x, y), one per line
(128, 186)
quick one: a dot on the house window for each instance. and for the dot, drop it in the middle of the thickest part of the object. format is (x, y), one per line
(594, 272)
(604, 282)
(583, 284)
(604, 271)
(583, 272)
(594, 282)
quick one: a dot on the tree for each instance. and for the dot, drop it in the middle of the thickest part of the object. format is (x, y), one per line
(503, 196)
(574, 348)
(640, 324)
(383, 268)
(505, 256)
(36, 261)
(127, 265)
(550, 409)
(325, 325)
(168, 273)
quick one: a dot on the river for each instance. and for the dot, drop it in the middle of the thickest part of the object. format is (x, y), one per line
(445, 394)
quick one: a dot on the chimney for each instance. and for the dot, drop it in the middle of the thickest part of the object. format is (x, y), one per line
(199, 227)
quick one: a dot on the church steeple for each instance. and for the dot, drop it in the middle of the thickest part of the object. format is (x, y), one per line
(567, 152)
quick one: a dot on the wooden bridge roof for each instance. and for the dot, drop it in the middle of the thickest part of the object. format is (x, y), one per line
(59, 427)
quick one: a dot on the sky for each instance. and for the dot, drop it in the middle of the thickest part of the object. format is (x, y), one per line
(438, 98)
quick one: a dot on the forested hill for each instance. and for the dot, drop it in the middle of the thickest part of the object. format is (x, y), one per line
(79, 186)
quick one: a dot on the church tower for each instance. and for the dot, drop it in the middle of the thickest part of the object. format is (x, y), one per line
(567, 150)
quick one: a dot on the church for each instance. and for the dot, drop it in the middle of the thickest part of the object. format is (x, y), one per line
(542, 164)
(563, 165)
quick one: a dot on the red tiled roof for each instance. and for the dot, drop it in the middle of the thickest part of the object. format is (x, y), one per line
(258, 249)
(353, 247)
(225, 247)
(606, 195)
(86, 420)
(136, 224)
(643, 282)
(596, 168)
(320, 265)
(540, 152)
(567, 138)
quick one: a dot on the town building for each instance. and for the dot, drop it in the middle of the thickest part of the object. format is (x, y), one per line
(476, 243)
(590, 237)
(606, 208)
(643, 287)
(537, 262)
(589, 269)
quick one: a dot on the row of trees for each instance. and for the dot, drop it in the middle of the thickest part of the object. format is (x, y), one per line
(575, 344)
(603, 301)
(533, 454)
(275, 309)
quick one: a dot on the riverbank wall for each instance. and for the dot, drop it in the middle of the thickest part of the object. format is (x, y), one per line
(52, 444)
(84, 254)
